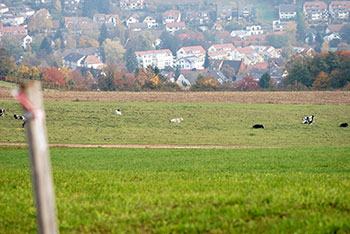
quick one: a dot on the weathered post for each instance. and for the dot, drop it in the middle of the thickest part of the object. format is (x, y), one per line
(30, 97)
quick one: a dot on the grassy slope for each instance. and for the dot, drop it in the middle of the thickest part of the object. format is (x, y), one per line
(204, 124)
(151, 190)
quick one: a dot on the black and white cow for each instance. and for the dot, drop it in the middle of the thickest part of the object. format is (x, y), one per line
(308, 119)
(21, 117)
(258, 126)
(2, 112)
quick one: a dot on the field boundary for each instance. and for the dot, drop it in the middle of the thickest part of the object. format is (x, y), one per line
(261, 97)
(140, 146)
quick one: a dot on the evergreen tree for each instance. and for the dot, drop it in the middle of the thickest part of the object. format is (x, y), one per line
(319, 38)
(46, 46)
(206, 61)
(265, 80)
(131, 60)
(177, 73)
(103, 34)
(301, 27)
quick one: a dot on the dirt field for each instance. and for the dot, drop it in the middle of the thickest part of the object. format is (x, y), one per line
(309, 97)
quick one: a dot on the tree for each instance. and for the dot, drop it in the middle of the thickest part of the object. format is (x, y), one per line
(40, 21)
(332, 61)
(103, 34)
(170, 42)
(53, 75)
(113, 50)
(322, 81)
(131, 60)
(298, 73)
(325, 46)
(317, 65)
(7, 65)
(46, 46)
(265, 80)
(341, 76)
(13, 45)
(85, 41)
(205, 83)
(345, 33)
(206, 61)
(301, 27)
(277, 41)
(247, 83)
(319, 38)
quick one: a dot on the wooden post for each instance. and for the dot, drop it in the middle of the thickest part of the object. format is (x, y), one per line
(39, 154)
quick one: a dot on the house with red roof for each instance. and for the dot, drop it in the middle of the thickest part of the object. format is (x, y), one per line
(315, 11)
(339, 9)
(171, 16)
(221, 51)
(92, 61)
(175, 26)
(155, 58)
(191, 57)
(17, 31)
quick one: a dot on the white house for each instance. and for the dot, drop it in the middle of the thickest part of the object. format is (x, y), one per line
(287, 11)
(155, 58)
(254, 30)
(134, 18)
(176, 26)
(150, 21)
(171, 16)
(26, 41)
(339, 9)
(315, 11)
(221, 51)
(193, 57)
(91, 61)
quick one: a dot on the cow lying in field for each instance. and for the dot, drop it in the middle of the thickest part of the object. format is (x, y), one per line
(343, 125)
(258, 126)
(308, 119)
(177, 120)
(2, 112)
(21, 117)
(118, 112)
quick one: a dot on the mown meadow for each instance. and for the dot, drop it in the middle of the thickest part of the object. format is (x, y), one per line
(204, 124)
(289, 190)
(302, 185)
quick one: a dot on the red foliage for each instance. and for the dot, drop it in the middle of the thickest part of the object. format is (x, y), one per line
(247, 84)
(53, 75)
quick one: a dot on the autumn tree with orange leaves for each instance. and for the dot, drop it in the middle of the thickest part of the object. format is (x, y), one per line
(53, 75)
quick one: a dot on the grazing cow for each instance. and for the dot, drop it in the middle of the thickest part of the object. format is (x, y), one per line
(176, 120)
(2, 112)
(21, 117)
(343, 125)
(308, 119)
(258, 126)
(118, 112)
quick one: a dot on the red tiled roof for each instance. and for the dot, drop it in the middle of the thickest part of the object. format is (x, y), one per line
(176, 24)
(315, 5)
(335, 27)
(194, 48)
(153, 52)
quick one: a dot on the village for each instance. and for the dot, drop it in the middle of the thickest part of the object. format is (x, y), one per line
(227, 42)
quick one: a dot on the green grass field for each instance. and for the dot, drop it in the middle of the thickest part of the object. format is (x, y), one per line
(301, 187)
(293, 190)
(204, 124)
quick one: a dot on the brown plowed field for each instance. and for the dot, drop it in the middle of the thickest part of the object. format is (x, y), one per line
(304, 97)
